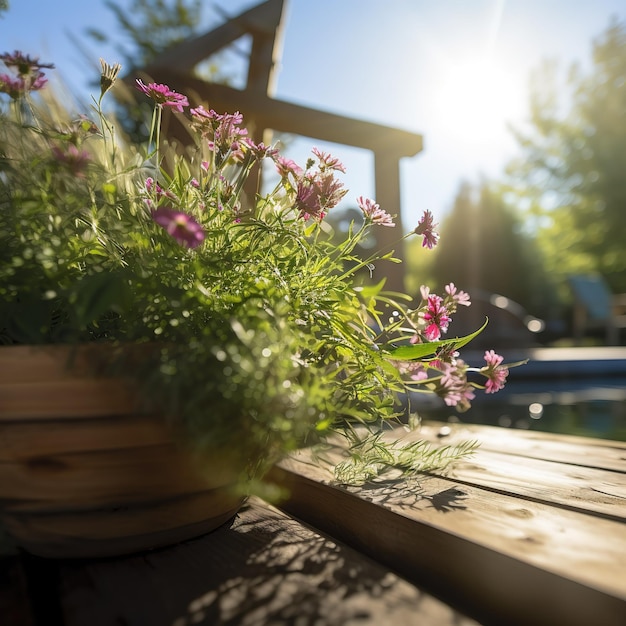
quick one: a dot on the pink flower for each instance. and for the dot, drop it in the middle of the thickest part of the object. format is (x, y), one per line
(492, 359)
(23, 63)
(163, 95)
(151, 185)
(29, 74)
(329, 190)
(260, 150)
(203, 120)
(317, 193)
(426, 227)
(155, 190)
(328, 161)
(71, 157)
(222, 131)
(458, 297)
(453, 386)
(414, 369)
(20, 86)
(285, 166)
(436, 317)
(373, 212)
(494, 371)
(182, 227)
(307, 201)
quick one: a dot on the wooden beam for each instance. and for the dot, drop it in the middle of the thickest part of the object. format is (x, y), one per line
(263, 113)
(265, 57)
(292, 118)
(387, 193)
(262, 19)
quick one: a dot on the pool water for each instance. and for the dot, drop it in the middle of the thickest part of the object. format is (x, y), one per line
(571, 391)
(590, 407)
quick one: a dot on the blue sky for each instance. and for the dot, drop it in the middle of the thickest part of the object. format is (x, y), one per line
(412, 64)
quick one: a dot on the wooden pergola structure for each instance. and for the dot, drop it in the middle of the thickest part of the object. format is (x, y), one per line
(263, 112)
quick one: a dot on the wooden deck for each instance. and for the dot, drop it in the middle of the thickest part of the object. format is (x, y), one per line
(530, 530)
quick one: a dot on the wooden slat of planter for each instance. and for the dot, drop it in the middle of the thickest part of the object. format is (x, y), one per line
(40, 363)
(263, 569)
(31, 439)
(105, 532)
(501, 557)
(104, 478)
(585, 451)
(48, 400)
(104, 523)
(77, 481)
(24, 364)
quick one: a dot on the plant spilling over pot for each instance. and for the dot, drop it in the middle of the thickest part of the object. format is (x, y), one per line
(259, 338)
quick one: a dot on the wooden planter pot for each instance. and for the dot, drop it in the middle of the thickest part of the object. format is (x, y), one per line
(84, 474)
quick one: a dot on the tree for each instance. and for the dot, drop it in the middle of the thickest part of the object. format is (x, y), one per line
(571, 175)
(150, 27)
(483, 247)
(146, 28)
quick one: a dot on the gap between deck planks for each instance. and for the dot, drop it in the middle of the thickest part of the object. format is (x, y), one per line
(517, 534)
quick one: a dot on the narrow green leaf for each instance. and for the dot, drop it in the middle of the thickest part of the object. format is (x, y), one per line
(371, 291)
(420, 350)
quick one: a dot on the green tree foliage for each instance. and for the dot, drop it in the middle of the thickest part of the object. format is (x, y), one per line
(572, 171)
(418, 265)
(148, 27)
(483, 247)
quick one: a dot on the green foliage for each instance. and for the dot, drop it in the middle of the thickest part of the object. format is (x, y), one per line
(242, 321)
(146, 29)
(483, 246)
(418, 266)
(570, 176)
(374, 458)
(150, 27)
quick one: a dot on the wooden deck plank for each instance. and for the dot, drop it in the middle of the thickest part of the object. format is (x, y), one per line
(583, 451)
(264, 569)
(501, 522)
(554, 472)
(496, 467)
(577, 488)
(490, 551)
(521, 533)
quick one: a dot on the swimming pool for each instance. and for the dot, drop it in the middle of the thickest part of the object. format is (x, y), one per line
(574, 391)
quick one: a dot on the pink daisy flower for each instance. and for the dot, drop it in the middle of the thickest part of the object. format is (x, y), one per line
(182, 227)
(163, 95)
(373, 212)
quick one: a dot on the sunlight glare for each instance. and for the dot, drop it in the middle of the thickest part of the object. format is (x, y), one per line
(477, 99)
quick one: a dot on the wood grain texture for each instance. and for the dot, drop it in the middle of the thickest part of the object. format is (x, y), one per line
(51, 382)
(510, 539)
(84, 474)
(262, 569)
(568, 449)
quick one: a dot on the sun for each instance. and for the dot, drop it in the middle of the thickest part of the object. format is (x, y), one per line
(476, 98)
